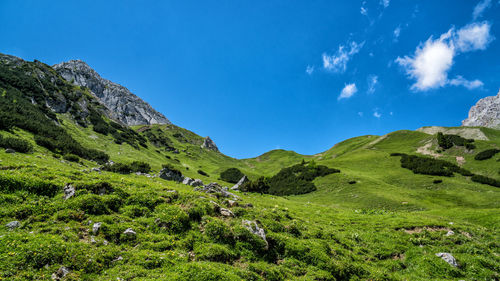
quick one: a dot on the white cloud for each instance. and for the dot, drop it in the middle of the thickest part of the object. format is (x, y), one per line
(309, 69)
(348, 91)
(364, 11)
(433, 59)
(360, 114)
(377, 114)
(480, 8)
(372, 83)
(430, 64)
(338, 62)
(397, 32)
(474, 36)
(385, 3)
(460, 81)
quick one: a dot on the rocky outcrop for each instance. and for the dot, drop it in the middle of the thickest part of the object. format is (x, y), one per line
(209, 144)
(486, 113)
(171, 174)
(447, 257)
(124, 105)
(241, 182)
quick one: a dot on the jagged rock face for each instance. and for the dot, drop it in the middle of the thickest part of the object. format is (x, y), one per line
(486, 113)
(209, 144)
(124, 105)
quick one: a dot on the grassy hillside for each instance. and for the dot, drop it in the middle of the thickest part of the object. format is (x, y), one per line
(372, 221)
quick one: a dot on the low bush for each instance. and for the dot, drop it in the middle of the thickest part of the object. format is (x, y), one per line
(447, 141)
(91, 204)
(19, 145)
(218, 231)
(33, 185)
(201, 172)
(486, 154)
(485, 180)
(71, 158)
(171, 218)
(139, 166)
(123, 168)
(431, 166)
(214, 252)
(232, 175)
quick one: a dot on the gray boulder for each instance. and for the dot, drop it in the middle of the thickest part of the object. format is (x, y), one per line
(187, 181)
(130, 233)
(196, 183)
(215, 188)
(226, 212)
(60, 273)
(255, 229)
(69, 191)
(171, 175)
(96, 227)
(447, 257)
(486, 113)
(241, 182)
(13, 224)
(209, 144)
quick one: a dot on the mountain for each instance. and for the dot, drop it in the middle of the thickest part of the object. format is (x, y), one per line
(124, 105)
(486, 113)
(83, 197)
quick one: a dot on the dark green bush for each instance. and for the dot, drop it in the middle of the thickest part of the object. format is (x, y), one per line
(447, 141)
(218, 231)
(485, 180)
(91, 204)
(139, 166)
(232, 175)
(71, 158)
(437, 181)
(120, 168)
(16, 144)
(431, 166)
(171, 218)
(201, 172)
(486, 154)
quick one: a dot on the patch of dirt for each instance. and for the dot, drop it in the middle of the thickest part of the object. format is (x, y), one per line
(468, 133)
(426, 149)
(372, 143)
(460, 160)
(419, 229)
(398, 257)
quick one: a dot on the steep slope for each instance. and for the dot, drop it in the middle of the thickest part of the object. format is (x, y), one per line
(486, 113)
(124, 105)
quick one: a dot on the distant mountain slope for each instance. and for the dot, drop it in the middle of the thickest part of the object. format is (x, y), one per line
(125, 106)
(486, 113)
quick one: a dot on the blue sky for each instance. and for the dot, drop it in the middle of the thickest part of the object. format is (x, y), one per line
(262, 75)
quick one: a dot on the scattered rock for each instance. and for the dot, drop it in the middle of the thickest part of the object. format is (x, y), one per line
(255, 229)
(171, 175)
(209, 144)
(69, 191)
(447, 257)
(226, 212)
(96, 227)
(60, 273)
(187, 181)
(13, 224)
(130, 232)
(9, 150)
(119, 258)
(450, 233)
(238, 185)
(196, 183)
(215, 188)
(92, 240)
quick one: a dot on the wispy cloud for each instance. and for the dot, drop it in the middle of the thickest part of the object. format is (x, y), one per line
(309, 69)
(460, 81)
(377, 114)
(432, 60)
(364, 10)
(397, 32)
(372, 83)
(348, 91)
(480, 8)
(338, 62)
(385, 3)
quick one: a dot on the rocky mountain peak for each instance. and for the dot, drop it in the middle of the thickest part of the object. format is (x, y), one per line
(123, 104)
(486, 113)
(209, 144)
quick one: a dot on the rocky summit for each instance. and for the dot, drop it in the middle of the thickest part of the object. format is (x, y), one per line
(486, 113)
(124, 105)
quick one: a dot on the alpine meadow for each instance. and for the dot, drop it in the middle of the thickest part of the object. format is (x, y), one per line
(97, 184)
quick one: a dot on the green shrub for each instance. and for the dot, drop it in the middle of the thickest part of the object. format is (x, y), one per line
(135, 211)
(447, 141)
(198, 209)
(171, 218)
(10, 183)
(214, 252)
(139, 166)
(485, 180)
(486, 154)
(71, 158)
(431, 166)
(146, 199)
(91, 204)
(19, 145)
(201, 172)
(218, 231)
(120, 168)
(232, 175)
(208, 271)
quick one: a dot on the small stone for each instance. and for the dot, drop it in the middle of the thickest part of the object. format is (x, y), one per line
(9, 150)
(255, 229)
(92, 240)
(130, 232)
(119, 258)
(60, 273)
(450, 233)
(96, 227)
(13, 224)
(69, 191)
(447, 257)
(226, 212)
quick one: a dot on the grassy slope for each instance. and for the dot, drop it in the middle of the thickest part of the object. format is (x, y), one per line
(357, 226)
